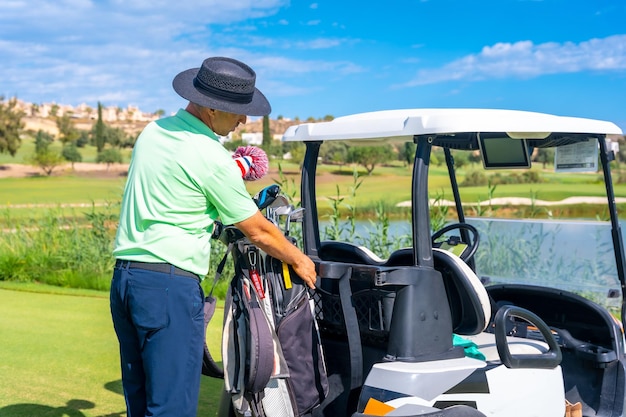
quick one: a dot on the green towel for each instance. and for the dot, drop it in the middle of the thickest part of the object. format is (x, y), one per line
(471, 349)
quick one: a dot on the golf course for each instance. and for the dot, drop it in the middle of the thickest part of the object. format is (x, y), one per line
(59, 353)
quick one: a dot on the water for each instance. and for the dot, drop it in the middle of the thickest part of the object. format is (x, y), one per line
(572, 255)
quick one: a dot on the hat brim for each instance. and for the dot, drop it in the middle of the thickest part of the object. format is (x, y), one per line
(183, 85)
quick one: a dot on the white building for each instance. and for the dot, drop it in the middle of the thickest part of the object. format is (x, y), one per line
(252, 138)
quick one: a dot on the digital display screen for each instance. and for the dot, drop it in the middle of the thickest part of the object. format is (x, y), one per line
(503, 152)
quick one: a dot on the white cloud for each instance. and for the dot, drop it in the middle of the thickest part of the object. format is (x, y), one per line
(524, 59)
(319, 43)
(129, 20)
(272, 65)
(72, 51)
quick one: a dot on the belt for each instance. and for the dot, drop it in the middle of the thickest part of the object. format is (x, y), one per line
(155, 267)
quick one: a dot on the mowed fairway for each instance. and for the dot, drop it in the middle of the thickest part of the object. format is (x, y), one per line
(73, 195)
(59, 356)
(60, 190)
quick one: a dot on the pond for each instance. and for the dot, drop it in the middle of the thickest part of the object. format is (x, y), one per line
(572, 255)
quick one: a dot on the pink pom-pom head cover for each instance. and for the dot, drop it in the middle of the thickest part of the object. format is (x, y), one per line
(252, 162)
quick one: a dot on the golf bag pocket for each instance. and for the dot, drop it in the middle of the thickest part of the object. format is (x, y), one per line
(249, 349)
(271, 350)
(299, 339)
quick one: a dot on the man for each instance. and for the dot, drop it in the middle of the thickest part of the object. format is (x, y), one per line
(180, 181)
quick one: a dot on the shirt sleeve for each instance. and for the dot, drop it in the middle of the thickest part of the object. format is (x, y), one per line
(228, 194)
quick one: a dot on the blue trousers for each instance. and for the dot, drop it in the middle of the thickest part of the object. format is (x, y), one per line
(159, 322)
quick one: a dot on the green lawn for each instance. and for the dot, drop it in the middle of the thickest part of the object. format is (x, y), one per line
(59, 355)
(27, 149)
(58, 190)
(23, 199)
(33, 197)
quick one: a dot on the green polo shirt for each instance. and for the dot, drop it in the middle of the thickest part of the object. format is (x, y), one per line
(180, 180)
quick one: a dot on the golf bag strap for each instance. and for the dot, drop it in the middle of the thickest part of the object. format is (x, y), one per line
(209, 366)
(255, 404)
(352, 330)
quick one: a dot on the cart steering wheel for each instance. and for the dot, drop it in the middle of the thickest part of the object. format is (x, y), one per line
(472, 245)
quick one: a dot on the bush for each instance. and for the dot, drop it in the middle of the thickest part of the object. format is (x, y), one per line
(474, 179)
(479, 178)
(525, 177)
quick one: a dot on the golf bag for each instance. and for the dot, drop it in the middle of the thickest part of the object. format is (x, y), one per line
(271, 350)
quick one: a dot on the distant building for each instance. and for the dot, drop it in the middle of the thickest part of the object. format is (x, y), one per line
(252, 138)
(84, 111)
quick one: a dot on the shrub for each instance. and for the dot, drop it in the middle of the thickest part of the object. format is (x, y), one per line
(474, 179)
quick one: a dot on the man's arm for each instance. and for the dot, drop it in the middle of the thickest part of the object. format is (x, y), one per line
(271, 240)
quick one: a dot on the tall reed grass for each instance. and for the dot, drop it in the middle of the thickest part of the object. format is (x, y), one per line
(58, 249)
(72, 249)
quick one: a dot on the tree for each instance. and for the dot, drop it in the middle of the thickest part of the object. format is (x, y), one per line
(103, 133)
(43, 141)
(545, 156)
(83, 139)
(10, 126)
(461, 159)
(334, 152)
(46, 160)
(475, 157)
(370, 156)
(267, 136)
(159, 113)
(109, 156)
(70, 153)
(232, 145)
(115, 136)
(297, 152)
(44, 157)
(406, 153)
(67, 131)
(98, 136)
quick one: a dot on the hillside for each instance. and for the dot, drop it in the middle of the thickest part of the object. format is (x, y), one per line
(277, 127)
(48, 124)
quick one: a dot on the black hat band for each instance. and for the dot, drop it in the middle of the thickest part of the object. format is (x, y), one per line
(233, 97)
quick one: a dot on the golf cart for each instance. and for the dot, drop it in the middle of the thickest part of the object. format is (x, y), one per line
(425, 332)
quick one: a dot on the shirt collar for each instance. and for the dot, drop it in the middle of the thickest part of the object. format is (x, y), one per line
(196, 124)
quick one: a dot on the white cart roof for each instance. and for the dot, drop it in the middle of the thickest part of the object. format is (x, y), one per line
(404, 124)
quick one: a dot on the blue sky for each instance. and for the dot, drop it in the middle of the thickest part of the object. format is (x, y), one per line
(326, 57)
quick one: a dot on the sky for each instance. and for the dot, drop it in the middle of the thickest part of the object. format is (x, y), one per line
(326, 57)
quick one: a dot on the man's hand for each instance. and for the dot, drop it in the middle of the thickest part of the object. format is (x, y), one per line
(306, 271)
(271, 240)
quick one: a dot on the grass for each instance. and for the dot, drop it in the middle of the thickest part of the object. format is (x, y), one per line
(31, 197)
(59, 354)
(27, 149)
(60, 190)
